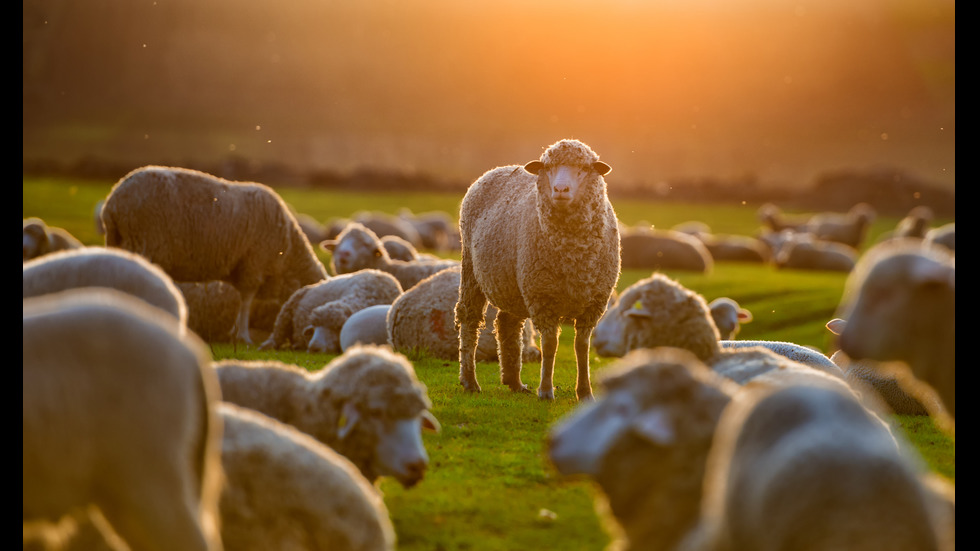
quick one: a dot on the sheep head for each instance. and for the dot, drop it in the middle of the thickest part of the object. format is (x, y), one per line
(563, 169)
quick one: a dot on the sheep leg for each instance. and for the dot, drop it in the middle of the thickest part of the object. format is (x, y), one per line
(549, 347)
(510, 337)
(240, 330)
(583, 338)
(470, 318)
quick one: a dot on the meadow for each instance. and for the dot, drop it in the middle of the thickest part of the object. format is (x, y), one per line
(490, 486)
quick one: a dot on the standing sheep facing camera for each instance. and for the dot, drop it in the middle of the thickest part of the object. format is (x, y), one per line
(313, 317)
(199, 227)
(119, 413)
(367, 404)
(539, 241)
(105, 267)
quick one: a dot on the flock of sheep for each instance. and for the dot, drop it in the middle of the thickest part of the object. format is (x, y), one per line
(134, 436)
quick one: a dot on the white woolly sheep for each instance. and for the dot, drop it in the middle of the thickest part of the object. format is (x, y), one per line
(366, 404)
(729, 316)
(806, 466)
(727, 246)
(900, 304)
(944, 235)
(772, 217)
(119, 414)
(359, 248)
(367, 326)
(884, 384)
(382, 224)
(212, 308)
(539, 241)
(436, 229)
(915, 224)
(199, 227)
(649, 248)
(312, 318)
(105, 267)
(399, 249)
(805, 252)
(423, 319)
(659, 311)
(41, 239)
(285, 490)
(849, 228)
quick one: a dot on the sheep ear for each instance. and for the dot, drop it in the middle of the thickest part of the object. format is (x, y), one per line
(534, 167)
(328, 244)
(308, 332)
(836, 326)
(601, 167)
(429, 421)
(744, 316)
(655, 425)
(638, 311)
(349, 416)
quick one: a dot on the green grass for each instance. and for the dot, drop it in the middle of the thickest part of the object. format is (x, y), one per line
(490, 486)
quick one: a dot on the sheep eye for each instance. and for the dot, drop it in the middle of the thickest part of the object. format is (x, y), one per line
(377, 252)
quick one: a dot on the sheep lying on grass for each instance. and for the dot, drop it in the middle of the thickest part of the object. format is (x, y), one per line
(367, 326)
(850, 228)
(313, 317)
(199, 227)
(359, 248)
(648, 248)
(540, 242)
(802, 251)
(105, 267)
(806, 466)
(726, 246)
(422, 319)
(900, 304)
(366, 404)
(285, 490)
(728, 316)
(41, 239)
(119, 415)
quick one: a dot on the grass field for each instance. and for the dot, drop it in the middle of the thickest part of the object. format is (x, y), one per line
(490, 486)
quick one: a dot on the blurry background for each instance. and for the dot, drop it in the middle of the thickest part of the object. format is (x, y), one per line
(769, 96)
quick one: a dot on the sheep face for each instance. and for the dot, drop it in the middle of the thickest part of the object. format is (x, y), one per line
(356, 248)
(563, 184)
(35, 240)
(326, 321)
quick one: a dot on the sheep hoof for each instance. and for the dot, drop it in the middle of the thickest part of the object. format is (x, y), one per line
(470, 386)
(546, 394)
(586, 398)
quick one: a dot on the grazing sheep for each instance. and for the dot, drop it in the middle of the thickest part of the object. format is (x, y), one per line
(436, 229)
(104, 267)
(900, 304)
(366, 404)
(212, 307)
(849, 228)
(423, 319)
(805, 252)
(359, 248)
(729, 316)
(649, 248)
(382, 224)
(944, 235)
(285, 490)
(312, 318)
(119, 415)
(772, 217)
(807, 467)
(41, 239)
(541, 242)
(367, 326)
(199, 227)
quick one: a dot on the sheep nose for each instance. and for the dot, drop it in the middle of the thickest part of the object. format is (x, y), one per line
(343, 254)
(561, 189)
(413, 472)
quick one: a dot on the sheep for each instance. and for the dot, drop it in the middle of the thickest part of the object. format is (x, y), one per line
(888, 386)
(806, 466)
(212, 307)
(313, 317)
(105, 267)
(772, 218)
(41, 239)
(285, 490)
(422, 319)
(805, 252)
(382, 224)
(436, 229)
(915, 224)
(97, 215)
(728, 316)
(200, 227)
(367, 326)
(659, 311)
(366, 404)
(399, 249)
(850, 228)
(539, 241)
(944, 236)
(644, 247)
(359, 248)
(899, 303)
(119, 419)
(725, 246)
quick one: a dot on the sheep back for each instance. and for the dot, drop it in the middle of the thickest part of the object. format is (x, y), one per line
(665, 250)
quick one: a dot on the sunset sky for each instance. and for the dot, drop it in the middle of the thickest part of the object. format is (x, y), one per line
(778, 89)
